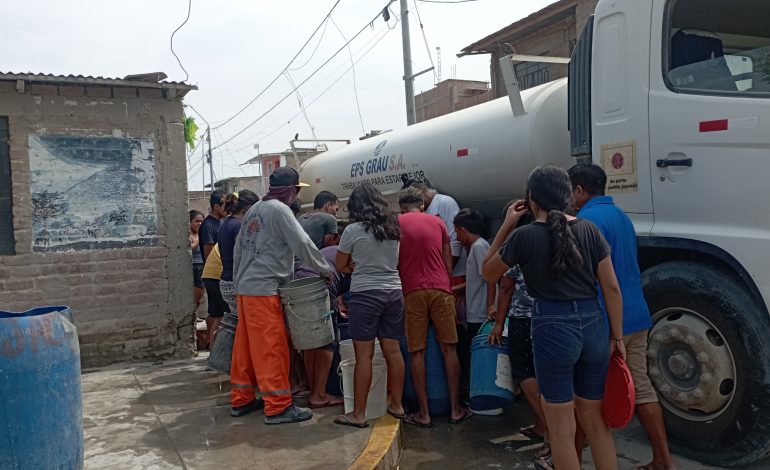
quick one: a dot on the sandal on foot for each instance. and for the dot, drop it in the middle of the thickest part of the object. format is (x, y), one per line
(333, 401)
(530, 432)
(467, 413)
(410, 420)
(343, 420)
(401, 416)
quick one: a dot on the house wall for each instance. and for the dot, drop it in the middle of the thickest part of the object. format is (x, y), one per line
(100, 216)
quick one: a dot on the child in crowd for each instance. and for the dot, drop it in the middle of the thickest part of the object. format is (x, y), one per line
(479, 295)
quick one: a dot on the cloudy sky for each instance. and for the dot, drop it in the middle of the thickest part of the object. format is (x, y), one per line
(232, 49)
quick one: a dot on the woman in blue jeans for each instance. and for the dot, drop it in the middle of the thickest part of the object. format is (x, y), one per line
(562, 258)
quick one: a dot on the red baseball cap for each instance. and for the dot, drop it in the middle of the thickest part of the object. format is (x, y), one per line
(619, 394)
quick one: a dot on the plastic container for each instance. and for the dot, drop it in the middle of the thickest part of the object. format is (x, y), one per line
(302, 288)
(435, 377)
(309, 320)
(221, 355)
(41, 423)
(377, 401)
(491, 378)
(347, 350)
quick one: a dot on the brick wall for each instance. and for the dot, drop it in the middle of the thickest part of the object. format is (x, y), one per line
(127, 302)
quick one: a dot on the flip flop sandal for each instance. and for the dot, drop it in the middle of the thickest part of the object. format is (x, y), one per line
(333, 402)
(529, 431)
(401, 416)
(343, 420)
(409, 419)
(544, 451)
(467, 414)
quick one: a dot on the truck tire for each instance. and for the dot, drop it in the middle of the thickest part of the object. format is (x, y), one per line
(709, 360)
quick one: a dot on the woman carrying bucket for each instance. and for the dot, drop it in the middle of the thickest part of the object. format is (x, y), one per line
(562, 259)
(369, 250)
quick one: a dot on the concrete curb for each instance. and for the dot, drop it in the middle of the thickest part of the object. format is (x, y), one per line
(383, 451)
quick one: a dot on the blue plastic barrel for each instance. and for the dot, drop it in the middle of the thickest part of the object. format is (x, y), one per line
(41, 425)
(435, 377)
(491, 379)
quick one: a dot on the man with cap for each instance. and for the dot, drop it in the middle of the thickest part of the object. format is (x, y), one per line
(269, 239)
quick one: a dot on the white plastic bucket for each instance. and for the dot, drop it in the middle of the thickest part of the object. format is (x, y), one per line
(348, 352)
(377, 403)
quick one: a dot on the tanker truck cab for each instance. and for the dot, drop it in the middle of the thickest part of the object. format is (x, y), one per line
(672, 99)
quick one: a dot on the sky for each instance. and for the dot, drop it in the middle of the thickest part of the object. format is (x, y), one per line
(232, 49)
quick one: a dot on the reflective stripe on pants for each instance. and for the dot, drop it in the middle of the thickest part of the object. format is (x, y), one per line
(261, 354)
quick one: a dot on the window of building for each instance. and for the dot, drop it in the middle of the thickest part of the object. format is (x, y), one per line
(7, 244)
(270, 168)
(532, 74)
(709, 55)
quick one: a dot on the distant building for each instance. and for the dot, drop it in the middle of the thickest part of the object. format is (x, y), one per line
(449, 96)
(93, 210)
(552, 31)
(268, 162)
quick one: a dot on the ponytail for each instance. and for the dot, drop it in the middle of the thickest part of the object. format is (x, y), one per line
(565, 254)
(549, 187)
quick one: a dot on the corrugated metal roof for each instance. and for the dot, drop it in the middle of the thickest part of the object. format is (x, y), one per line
(148, 80)
(524, 26)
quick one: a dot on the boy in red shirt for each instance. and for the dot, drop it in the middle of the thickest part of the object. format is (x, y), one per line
(425, 266)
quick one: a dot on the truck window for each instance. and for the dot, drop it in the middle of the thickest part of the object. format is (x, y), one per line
(706, 54)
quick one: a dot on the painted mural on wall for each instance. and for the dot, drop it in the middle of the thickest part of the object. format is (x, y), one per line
(92, 192)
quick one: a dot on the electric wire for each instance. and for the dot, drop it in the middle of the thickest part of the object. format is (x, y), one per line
(312, 54)
(301, 104)
(282, 71)
(444, 1)
(189, 9)
(425, 39)
(353, 67)
(285, 97)
(247, 142)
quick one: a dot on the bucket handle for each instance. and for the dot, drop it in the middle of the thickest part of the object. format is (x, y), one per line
(372, 387)
(323, 317)
(317, 296)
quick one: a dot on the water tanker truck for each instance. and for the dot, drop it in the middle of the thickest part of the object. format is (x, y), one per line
(672, 99)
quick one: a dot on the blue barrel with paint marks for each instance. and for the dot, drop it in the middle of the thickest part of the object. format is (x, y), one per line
(41, 425)
(491, 379)
(435, 377)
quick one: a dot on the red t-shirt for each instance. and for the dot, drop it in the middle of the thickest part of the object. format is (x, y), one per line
(420, 260)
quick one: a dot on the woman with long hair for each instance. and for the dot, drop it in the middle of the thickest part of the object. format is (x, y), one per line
(196, 219)
(562, 259)
(369, 249)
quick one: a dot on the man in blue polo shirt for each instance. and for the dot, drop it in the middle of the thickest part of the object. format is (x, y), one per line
(588, 183)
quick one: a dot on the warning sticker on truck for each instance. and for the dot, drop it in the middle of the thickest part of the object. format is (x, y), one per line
(619, 162)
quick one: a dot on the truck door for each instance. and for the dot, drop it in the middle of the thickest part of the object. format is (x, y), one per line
(710, 118)
(619, 95)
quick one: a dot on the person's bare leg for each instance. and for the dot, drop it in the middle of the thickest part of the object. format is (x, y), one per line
(602, 444)
(308, 360)
(452, 368)
(362, 379)
(560, 418)
(212, 325)
(580, 439)
(651, 417)
(198, 296)
(420, 386)
(531, 392)
(321, 366)
(395, 360)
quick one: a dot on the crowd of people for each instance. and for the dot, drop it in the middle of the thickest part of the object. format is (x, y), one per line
(569, 287)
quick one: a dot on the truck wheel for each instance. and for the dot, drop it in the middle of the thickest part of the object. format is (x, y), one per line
(709, 360)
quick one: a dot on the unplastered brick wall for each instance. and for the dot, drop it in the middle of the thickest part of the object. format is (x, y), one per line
(100, 217)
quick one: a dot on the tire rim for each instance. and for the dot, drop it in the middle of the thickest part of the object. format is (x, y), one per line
(690, 364)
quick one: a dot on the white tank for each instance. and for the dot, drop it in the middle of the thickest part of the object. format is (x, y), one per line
(481, 156)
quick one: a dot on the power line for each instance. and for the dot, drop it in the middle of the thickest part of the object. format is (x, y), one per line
(189, 9)
(285, 97)
(353, 67)
(444, 1)
(284, 69)
(301, 104)
(425, 38)
(317, 86)
(320, 39)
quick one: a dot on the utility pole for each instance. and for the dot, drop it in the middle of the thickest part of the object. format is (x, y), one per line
(211, 163)
(408, 77)
(203, 169)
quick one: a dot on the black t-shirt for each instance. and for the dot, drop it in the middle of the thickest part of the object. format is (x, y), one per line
(530, 248)
(226, 239)
(207, 235)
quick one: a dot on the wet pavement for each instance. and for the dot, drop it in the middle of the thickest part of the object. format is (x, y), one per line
(493, 442)
(176, 415)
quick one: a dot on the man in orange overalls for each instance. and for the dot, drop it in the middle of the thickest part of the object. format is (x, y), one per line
(269, 239)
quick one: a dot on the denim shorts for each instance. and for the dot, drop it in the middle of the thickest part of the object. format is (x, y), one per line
(571, 348)
(376, 313)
